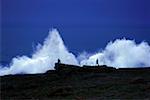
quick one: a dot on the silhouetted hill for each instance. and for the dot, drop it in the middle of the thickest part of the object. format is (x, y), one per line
(79, 83)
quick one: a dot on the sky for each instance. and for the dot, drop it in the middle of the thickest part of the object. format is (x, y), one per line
(84, 25)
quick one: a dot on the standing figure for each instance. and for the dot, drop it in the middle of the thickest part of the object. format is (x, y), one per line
(97, 62)
(59, 61)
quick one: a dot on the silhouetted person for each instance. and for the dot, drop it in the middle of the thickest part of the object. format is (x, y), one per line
(59, 61)
(57, 65)
(97, 62)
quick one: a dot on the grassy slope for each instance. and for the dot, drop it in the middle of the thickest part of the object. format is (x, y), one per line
(78, 85)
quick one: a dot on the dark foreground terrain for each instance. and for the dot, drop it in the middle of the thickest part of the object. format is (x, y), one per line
(78, 84)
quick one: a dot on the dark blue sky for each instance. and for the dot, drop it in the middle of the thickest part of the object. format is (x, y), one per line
(85, 25)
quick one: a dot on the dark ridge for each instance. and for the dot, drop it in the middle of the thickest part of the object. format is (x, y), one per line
(100, 68)
(78, 83)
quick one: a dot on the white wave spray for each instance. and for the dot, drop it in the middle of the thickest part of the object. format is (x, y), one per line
(44, 57)
(120, 53)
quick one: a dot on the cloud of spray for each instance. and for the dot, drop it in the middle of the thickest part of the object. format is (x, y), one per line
(43, 58)
(120, 53)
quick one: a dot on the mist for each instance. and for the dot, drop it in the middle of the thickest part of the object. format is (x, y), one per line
(43, 58)
(121, 53)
